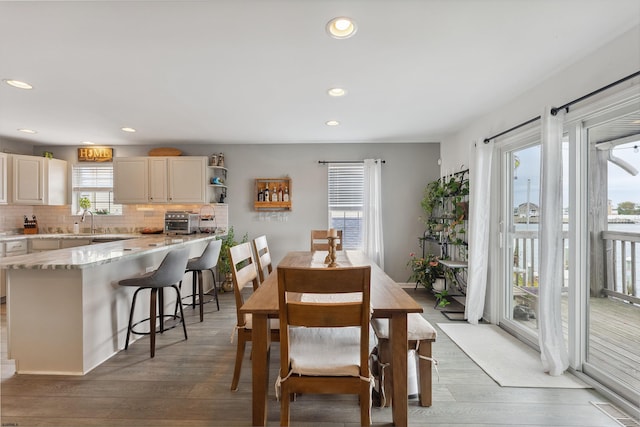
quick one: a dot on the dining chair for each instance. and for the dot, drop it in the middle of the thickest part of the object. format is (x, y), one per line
(263, 256)
(324, 339)
(244, 273)
(319, 240)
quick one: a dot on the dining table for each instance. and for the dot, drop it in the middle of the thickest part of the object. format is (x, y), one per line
(388, 300)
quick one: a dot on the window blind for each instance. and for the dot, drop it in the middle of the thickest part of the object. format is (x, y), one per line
(346, 181)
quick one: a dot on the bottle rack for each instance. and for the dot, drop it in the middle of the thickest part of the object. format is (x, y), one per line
(282, 186)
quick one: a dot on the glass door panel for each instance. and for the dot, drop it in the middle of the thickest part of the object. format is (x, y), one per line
(521, 195)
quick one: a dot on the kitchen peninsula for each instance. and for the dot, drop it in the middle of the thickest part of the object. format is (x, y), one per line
(66, 313)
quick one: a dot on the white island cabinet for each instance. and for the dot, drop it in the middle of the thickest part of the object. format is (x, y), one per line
(175, 179)
(66, 313)
(39, 180)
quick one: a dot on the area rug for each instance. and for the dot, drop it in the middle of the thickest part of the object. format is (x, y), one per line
(508, 361)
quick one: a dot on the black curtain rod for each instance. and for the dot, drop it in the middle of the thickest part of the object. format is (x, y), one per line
(486, 140)
(326, 162)
(566, 106)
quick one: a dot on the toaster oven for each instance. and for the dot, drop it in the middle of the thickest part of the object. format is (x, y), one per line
(180, 222)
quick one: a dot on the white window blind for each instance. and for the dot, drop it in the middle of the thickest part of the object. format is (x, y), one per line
(346, 184)
(94, 181)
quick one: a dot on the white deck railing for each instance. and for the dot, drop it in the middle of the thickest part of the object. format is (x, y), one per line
(622, 262)
(622, 265)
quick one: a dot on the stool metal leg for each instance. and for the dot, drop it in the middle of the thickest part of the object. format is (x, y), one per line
(215, 288)
(152, 320)
(130, 326)
(184, 325)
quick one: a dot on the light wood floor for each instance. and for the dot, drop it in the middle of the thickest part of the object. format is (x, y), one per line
(187, 384)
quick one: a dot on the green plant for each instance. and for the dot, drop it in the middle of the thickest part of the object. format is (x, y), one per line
(85, 203)
(441, 298)
(228, 241)
(425, 270)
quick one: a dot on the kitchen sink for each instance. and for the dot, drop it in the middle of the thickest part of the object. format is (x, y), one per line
(97, 240)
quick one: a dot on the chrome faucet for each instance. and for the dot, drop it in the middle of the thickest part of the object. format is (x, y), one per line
(85, 214)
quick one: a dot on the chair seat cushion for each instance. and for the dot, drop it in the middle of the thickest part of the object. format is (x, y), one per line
(418, 328)
(325, 351)
(273, 323)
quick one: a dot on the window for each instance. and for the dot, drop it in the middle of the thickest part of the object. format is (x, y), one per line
(95, 182)
(346, 188)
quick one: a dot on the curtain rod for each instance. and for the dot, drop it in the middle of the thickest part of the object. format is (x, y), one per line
(326, 162)
(566, 106)
(486, 140)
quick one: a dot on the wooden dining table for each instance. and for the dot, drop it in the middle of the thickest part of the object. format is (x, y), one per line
(388, 300)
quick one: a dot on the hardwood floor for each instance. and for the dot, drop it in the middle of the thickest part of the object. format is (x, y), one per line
(187, 384)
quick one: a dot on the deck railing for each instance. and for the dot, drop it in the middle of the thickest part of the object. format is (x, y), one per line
(621, 263)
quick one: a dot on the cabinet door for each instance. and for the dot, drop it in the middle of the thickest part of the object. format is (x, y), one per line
(187, 176)
(28, 180)
(3, 178)
(56, 174)
(130, 180)
(158, 190)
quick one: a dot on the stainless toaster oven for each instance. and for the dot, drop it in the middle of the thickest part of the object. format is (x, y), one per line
(180, 222)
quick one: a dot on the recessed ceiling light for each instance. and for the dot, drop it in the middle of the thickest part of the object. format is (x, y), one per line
(128, 129)
(636, 122)
(336, 91)
(341, 27)
(27, 131)
(332, 123)
(88, 142)
(18, 84)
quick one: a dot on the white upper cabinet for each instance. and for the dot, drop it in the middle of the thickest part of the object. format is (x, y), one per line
(130, 180)
(160, 179)
(4, 178)
(187, 179)
(39, 181)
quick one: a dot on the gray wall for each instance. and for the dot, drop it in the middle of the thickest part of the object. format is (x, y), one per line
(408, 168)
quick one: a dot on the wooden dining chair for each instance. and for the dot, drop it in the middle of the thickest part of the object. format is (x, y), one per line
(263, 256)
(324, 339)
(244, 272)
(319, 240)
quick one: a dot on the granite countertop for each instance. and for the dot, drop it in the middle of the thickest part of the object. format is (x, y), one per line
(86, 256)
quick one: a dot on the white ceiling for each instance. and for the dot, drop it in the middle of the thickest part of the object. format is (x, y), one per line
(257, 71)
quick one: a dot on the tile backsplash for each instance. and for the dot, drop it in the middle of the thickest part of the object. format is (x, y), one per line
(58, 219)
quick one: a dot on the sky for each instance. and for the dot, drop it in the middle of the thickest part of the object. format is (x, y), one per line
(623, 187)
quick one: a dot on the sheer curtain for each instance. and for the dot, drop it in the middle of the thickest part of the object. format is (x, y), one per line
(479, 220)
(553, 352)
(372, 211)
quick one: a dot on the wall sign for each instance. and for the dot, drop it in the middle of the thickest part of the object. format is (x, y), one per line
(95, 154)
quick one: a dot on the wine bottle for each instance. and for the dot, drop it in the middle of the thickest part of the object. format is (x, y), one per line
(285, 197)
(274, 194)
(266, 194)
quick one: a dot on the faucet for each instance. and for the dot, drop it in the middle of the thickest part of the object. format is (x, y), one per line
(85, 214)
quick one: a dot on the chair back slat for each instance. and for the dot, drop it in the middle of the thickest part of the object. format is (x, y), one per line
(324, 315)
(243, 272)
(319, 240)
(263, 256)
(324, 280)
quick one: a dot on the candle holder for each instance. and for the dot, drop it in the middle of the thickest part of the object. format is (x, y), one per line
(331, 257)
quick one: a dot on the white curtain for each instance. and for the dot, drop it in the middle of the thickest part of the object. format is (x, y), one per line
(479, 220)
(553, 352)
(372, 211)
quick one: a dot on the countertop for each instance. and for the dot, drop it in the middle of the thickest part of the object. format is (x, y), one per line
(86, 256)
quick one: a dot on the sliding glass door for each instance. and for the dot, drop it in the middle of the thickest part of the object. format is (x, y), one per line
(520, 197)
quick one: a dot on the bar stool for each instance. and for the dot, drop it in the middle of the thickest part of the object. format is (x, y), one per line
(207, 261)
(166, 275)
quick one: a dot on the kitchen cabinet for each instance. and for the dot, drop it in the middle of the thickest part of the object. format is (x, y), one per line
(4, 178)
(39, 180)
(175, 179)
(130, 180)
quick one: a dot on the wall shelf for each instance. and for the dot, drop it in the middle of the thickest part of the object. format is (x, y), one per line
(264, 189)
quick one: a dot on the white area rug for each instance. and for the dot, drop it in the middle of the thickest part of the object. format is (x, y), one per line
(508, 361)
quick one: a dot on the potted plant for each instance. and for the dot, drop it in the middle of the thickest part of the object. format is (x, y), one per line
(84, 203)
(224, 263)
